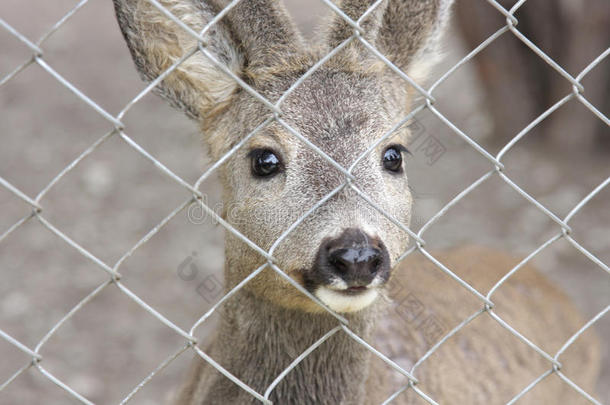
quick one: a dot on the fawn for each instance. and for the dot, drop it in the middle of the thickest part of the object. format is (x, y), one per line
(346, 252)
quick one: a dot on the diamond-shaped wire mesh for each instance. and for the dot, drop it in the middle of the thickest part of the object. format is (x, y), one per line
(35, 212)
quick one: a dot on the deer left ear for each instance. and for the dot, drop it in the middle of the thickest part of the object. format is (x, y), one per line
(407, 32)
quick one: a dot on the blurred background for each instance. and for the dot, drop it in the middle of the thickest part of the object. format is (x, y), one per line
(115, 196)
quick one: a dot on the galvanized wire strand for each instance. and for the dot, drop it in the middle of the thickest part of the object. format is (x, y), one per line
(16, 374)
(504, 11)
(226, 296)
(593, 109)
(452, 332)
(593, 64)
(383, 212)
(558, 104)
(17, 224)
(62, 385)
(115, 275)
(36, 47)
(158, 369)
(380, 355)
(465, 137)
(530, 386)
(516, 6)
(117, 124)
(226, 156)
(239, 80)
(300, 358)
(396, 394)
(467, 58)
(312, 69)
(385, 136)
(19, 193)
(33, 47)
(152, 232)
(524, 339)
(582, 330)
(69, 315)
(17, 70)
(532, 124)
(545, 57)
(178, 21)
(430, 99)
(414, 387)
(234, 231)
(164, 169)
(316, 149)
(523, 263)
(454, 201)
(431, 351)
(537, 204)
(578, 93)
(309, 295)
(73, 164)
(451, 274)
(578, 389)
(61, 22)
(304, 216)
(230, 376)
(407, 252)
(422, 394)
(19, 345)
(343, 16)
(153, 312)
(588, 254)
(150, 86)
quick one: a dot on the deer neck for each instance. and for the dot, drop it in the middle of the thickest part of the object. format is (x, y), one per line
(257, 340)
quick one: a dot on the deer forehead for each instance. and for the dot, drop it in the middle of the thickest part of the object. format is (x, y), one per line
(340, 112)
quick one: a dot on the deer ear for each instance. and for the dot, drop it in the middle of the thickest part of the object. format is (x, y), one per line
(255, 32)
(197, 86)
(404, 31)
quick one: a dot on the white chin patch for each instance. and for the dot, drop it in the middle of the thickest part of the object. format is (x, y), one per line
(341, 302)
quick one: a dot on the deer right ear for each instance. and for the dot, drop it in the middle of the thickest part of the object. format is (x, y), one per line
(255, 32)
(197, 86)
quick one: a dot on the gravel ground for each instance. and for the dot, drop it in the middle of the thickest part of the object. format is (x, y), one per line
(115, 196)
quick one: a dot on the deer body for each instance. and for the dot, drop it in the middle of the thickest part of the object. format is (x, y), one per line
(345, 252)
(316, 380)
(476, 366)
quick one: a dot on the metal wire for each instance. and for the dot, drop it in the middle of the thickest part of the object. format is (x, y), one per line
(117, 129)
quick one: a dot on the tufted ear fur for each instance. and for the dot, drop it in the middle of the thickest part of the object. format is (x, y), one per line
(253, 34)
(405, 31)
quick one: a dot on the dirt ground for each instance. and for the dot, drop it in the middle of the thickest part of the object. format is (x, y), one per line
(115, 196)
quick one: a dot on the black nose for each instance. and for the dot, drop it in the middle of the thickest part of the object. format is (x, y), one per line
(354, 257)
(362, 261)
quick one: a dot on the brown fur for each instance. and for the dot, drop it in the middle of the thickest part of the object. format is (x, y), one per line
(482, 364)
(343, 108)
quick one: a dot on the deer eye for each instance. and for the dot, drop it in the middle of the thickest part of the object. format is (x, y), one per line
(392, 159)
(265, 163)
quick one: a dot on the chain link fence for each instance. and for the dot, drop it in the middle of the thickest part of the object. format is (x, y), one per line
(34, 204)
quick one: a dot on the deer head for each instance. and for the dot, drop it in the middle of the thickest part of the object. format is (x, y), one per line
(344, 251)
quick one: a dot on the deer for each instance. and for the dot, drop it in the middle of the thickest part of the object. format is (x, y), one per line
(346, 257)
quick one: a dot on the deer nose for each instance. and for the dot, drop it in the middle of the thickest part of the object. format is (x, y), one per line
(359, 262)
(355, 258)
